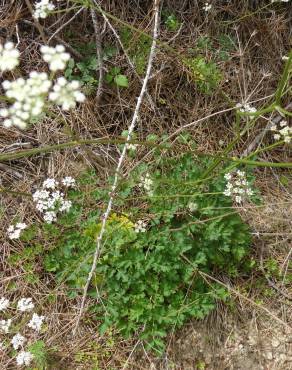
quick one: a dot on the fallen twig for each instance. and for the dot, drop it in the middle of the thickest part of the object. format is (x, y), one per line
(121, 160)
(98, 37)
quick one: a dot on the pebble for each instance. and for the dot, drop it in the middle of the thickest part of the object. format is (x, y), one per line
(275, 342)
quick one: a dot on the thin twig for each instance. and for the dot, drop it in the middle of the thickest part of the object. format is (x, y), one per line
(97, 35)
(36, 22)
(65, 24)
(121, 160)
(74, 52)
(127, 57)
(238, 294)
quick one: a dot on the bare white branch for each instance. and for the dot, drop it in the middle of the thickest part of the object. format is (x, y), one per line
(121, 160)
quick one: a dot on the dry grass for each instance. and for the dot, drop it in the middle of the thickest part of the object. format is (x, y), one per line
(222, 341)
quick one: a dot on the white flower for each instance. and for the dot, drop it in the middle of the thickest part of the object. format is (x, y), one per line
(50, 183)
(4, 303)
(147, 184)
(132, 146)
(43, 8)
(192, 206)
(283, 133)
(140, 226)
(65, 206)
(285, 57)
(56, 57)
(228, 176)
(66, 94)
(50, 216)
(25, 304)
(5, 325)
(18, 341)
(207, 7)
(237, 186)
(273, 128)
(40, 195)
(238, 199)
(29, 99)
(245, 108)
(14, 232)
(36, 322)
(9, 57)
(24, 358)
(52, 201)
(68, 181)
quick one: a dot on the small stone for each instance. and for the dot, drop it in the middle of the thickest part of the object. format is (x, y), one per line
(275, 342)
(252, 341)
(269, 355)
(282, 357)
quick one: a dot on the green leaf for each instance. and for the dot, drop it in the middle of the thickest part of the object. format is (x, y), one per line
(121, 80)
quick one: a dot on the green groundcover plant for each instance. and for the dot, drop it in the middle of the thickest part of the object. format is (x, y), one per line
(167, 227)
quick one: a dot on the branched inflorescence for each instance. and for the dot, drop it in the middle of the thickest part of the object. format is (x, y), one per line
(43, 9)
(284, 132)
(29, 96)
(245, 108)
(147, 184)
(50, 200)
(18, 341)
(237, 186)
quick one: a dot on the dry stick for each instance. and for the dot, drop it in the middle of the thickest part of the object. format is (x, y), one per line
(238, 294)
(127, 57)
(121, 160)
(263, 308)
(36, 22)
(61, 41)
(97, 34)
(65, 24)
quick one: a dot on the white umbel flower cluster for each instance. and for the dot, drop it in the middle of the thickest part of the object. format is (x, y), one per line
(24, 358)
(237, 186)
(147, 184)
(284, 132)
(49, 200)
(69, 182)
(193, 206)
(132, 147)
(140, 226)
(66, 94)
(56, 57)
(5, 325)
(207, 7)
(43, 9)
(25, 304)
(18, 341)
(245, 108)
(9, 57)
(29, 96)
(14, 231)
(36, 322)
(4, 303)
(29, 99)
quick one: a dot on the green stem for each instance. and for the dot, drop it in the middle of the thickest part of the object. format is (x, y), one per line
(284, 79)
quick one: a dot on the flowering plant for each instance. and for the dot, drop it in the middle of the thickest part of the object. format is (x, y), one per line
(30, 325)
(29, 97)
(146, 274)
